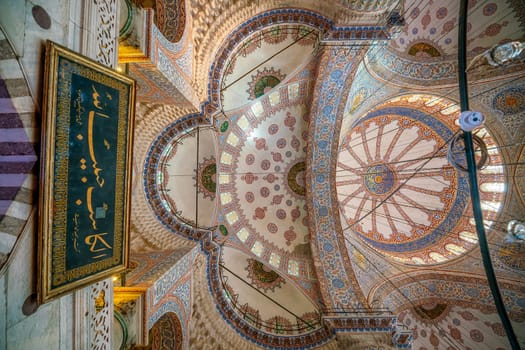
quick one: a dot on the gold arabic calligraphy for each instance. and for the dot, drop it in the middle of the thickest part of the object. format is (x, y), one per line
(95, 240)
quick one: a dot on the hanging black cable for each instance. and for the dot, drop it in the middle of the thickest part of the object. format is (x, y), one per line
(268, 59)
(309, 324)
(473, 181)
(197, 180)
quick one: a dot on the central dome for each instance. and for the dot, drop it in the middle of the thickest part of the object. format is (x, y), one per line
(396, 188)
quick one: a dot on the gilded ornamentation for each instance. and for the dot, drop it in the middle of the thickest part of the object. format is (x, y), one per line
(263, 81)
(99, 336)
(295, 178)
(422, 49)
(513, 255)
(206, 181)
(432, 312)
(106, 32)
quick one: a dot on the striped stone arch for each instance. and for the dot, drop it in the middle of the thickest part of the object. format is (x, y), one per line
(18, 138)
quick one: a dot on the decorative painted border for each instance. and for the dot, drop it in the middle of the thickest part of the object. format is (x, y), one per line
(337, 280)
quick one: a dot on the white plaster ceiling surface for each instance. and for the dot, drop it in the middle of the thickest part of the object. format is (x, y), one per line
(272, 303)
(431, 28)
(263, 60)
(396, 189)
(186, 176)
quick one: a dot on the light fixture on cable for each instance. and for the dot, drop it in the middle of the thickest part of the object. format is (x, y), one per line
(468, 121)
(515, 231)
(498, 55)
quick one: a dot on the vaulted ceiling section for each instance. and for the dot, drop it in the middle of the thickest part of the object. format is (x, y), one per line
(306, 151)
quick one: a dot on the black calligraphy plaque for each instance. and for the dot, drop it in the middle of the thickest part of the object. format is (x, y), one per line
(85, 172)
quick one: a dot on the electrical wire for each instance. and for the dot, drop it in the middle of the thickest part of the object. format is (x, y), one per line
(506, 82)
(442, 232)
(385, 278)
(475, 200)
(350, 242)
(267, 59)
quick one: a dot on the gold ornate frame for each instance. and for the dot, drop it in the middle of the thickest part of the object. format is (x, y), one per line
(85, 173)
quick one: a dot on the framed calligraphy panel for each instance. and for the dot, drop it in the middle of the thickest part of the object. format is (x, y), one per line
(85, 175)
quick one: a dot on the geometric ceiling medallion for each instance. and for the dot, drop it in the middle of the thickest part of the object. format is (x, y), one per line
(263, 277)
(263, 81)
(379, 179)
(207, 177)
(275, 35)
(422, 49)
